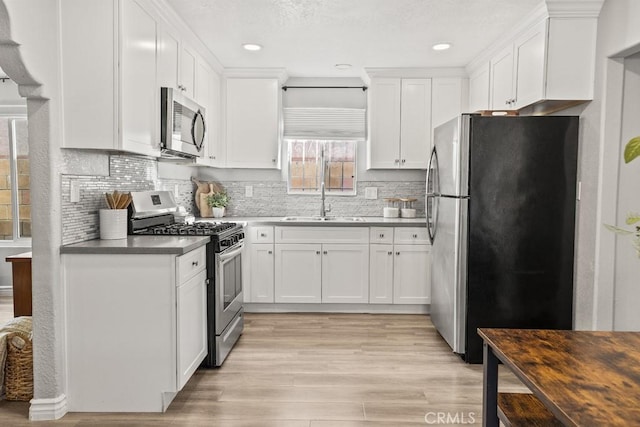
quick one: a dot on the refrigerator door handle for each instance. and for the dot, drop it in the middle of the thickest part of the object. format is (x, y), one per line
(431, 201)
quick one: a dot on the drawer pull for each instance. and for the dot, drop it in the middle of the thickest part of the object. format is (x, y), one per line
(263, 234)
(415, 236)
(390, 253)
(325, 252)
(397, 253)
(194, 263)
(317, 252)
(382, 236)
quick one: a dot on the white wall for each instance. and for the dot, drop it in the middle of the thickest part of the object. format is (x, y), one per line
(601, 141)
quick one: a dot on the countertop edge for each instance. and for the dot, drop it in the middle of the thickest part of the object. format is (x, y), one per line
(368, 222)
(134, 246)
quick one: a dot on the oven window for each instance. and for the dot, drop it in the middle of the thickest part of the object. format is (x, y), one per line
(232, 274)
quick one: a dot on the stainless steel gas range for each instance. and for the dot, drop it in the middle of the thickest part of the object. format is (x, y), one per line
(151, 213)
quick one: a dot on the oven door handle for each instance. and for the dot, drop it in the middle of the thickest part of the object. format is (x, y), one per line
(225, 256)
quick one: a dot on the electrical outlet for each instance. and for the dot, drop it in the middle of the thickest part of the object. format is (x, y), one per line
(371, 193)
(75, 191)
(248, 190)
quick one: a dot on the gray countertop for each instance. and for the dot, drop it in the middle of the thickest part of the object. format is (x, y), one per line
(177, 245)
(369, 221)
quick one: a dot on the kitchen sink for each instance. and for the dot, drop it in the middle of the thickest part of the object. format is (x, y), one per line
(327, 218)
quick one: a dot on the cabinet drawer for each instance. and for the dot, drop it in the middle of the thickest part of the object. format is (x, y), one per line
(190, 264)
(262, 234)
(322, 234)
(381, 235)
(411, 235)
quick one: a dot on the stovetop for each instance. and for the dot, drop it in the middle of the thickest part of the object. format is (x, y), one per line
(195, 229)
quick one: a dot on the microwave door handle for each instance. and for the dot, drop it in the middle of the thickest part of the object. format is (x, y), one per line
(198, 144)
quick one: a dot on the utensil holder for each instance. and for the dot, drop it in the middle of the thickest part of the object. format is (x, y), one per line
(113, 224)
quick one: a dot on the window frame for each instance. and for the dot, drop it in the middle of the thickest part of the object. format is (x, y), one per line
(18, 239)
(317, 191)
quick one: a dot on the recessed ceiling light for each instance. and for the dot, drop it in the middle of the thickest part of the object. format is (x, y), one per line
(252, 46)
(441, 46)
(343, 66)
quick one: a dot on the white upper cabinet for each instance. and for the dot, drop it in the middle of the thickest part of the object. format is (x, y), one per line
(168, 58)
(253, 122)
(110, 95)
(208, 96)
(479, 89)
(448, 99)
(399, 123)
(547, 64)
(187, 77)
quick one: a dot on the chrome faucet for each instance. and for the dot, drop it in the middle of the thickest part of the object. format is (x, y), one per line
(323, 208)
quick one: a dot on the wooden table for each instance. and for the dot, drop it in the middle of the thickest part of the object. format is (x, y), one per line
(582, 378)
(21, 270)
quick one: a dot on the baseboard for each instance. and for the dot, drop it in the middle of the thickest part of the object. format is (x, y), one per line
(336, 308)
(48, 409)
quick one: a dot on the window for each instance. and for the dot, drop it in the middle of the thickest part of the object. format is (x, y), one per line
(311, 160)
(15, 203)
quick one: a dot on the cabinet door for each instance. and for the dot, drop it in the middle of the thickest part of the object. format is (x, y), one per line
(262, 273)
(191, 326)
(298, 273)
(168, 59)
(479, 90)
(447, 99)
(139, 93)
(187, 71)
(345, 273)
(529, 51)
(415, 123)
(252, 123)
(502, 79)
(207, 94)
(383, 150)
(411, 271)
(381, 274)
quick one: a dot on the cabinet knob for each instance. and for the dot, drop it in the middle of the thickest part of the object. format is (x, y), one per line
(270, 252)
(273, 160)
(415, 236)
(397, 253)
(325, 252)
(317, 252)
(381, 236)
(263, 235)
(403, 161)
(390, 253)
(396, 161)
(194, 263)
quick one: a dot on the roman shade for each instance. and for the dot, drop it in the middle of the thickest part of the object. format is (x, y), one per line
(325, 123)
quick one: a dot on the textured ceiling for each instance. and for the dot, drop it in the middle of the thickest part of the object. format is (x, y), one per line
(308, 37)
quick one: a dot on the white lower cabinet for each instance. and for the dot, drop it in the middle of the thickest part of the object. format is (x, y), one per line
(345, 273)
(135, 329)
(191, 325)
(262, 272)
(298, 273)
(381, 274)
(400, 272)
(344, 265)
(411, 271)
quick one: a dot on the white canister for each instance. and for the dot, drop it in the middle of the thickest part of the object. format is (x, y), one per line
(388, 212)
(407, 213)
(113, 224)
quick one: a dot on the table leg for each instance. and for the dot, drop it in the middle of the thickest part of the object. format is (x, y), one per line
(490, 388)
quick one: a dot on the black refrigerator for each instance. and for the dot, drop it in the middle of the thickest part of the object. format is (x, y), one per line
(501, 203)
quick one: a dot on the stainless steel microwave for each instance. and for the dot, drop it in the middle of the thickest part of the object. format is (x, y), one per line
(183, 127)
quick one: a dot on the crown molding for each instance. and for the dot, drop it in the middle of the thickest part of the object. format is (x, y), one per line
(574, 8)
(250, 73)
(414, 73)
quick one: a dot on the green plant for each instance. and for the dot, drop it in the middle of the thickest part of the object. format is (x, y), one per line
(218, 200)
(631, 151)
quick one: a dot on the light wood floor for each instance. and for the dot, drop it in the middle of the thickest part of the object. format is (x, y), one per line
(318, 370)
